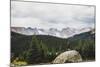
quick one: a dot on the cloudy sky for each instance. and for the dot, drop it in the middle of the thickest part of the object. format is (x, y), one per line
(46, 15)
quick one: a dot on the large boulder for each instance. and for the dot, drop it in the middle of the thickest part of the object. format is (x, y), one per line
(68, 56)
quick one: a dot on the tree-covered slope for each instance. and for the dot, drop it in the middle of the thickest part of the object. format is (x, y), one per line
(44, 48)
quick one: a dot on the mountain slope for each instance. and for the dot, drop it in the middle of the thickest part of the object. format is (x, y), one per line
(44, 48)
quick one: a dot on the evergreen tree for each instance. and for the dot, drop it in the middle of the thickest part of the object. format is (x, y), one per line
(33, 54)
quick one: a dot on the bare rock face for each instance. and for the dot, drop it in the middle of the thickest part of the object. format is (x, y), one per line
(68, 56)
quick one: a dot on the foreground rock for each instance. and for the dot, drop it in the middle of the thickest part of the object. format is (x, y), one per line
(68, 56)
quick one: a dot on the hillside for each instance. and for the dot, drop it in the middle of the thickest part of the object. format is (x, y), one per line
(44, 48)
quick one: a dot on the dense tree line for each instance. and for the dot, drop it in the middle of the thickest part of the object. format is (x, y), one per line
(44, 48)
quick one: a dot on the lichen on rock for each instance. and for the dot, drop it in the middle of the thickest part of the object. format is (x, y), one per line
(68, 56)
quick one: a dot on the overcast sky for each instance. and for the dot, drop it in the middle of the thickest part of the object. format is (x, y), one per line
(46, 15)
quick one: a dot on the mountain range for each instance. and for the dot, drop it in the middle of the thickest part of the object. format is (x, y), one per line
(63, 33)
(44, 48)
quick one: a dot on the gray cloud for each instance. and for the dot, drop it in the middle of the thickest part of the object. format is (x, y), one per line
(46, 15)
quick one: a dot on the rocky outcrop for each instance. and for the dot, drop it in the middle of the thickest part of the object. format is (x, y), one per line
(68, 56)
